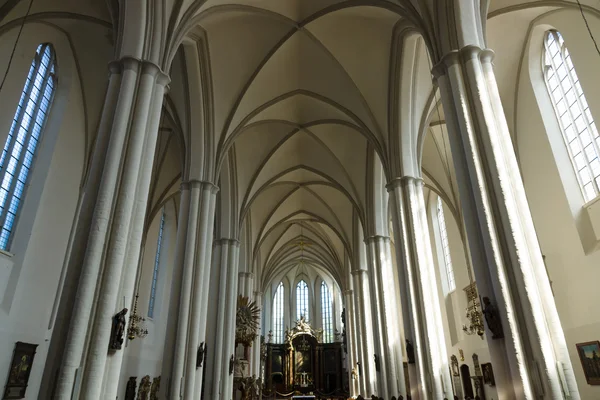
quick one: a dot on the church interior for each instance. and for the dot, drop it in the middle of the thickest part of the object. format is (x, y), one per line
(299, 199)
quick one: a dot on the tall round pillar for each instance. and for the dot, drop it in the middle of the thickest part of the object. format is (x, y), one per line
(420, 299)
(91, 265)
(363, 315)
(509, 269)
(121, 227)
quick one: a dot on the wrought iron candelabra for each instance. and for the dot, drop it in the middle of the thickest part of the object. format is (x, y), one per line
(136, 323)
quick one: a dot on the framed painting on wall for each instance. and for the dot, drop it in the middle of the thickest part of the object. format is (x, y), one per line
(589, 354)
(18, 373)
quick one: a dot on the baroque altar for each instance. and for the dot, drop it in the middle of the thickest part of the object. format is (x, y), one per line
(303, 364)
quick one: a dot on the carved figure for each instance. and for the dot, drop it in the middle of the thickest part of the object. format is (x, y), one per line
(376, 362)
(155, 388)
(493, 319)
(354, 373)
(144, 389)
(130, 388)
(200, 355)
(118, 330)
(231, 362)
(410, 352)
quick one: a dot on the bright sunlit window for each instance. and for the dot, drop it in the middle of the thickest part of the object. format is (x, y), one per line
(156, 265)
(445, 246)
(573, 114)
(23, 138)
(302, 300)
(278, 314)
(326, 311)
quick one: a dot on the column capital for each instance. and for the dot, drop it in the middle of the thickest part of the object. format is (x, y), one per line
(245, 274)
(402, 181)
(457, 56)
(359, 272)
(196, 183)
(376, 238)
(348, 292)
(257, 294)
(228, 241)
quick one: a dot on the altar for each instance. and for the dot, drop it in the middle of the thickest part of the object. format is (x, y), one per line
(303, 365)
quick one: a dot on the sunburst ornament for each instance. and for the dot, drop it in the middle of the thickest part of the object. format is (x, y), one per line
(246, 321)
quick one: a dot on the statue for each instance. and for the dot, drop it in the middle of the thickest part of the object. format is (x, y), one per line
(303, 325)
(493, 319)
(155, 388)
(354, 374)
(144, 390)
(231, 362)
(200, 355)
(118, 329)
(410, 352)
(376, 362)
(130, 388)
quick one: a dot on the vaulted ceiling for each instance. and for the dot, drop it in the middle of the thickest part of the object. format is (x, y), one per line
(297, 101)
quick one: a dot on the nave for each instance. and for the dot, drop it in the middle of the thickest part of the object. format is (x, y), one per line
(300, 199)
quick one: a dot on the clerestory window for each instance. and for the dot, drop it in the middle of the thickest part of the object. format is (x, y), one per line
(449, 270)
(573, 113)
(278, 314)
(23, 138)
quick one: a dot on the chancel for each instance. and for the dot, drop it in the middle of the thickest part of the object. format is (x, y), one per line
(299, 199)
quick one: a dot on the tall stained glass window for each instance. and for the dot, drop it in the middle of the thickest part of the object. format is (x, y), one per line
(573, 114)
(278, 314)
(326, 311)
(23, 138)
(445, 246)
(302, 300)
(156, 265)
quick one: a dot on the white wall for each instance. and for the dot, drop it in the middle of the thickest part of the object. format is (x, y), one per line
(30, 273)
(574, 273)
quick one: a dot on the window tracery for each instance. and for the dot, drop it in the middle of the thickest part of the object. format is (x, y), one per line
(278, 314)
(573, 114)
(445, 247)
(22, 142)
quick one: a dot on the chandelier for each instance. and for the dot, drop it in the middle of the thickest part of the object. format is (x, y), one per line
(473, 313)
(136, 323)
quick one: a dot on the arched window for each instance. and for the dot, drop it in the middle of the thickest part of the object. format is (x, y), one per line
(573, 114)
(326, 311)
(23, 137)
(445, 246)
(302, 300)
(278, 314)
(156, 265)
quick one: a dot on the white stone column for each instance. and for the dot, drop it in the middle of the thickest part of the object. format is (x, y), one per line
(219, 382)
(90, 268)
(177, 286)
(189, 253)
(256, 361)
(119, 235)
(363, 315)
(383, 288)
(420, 300)
(350, 325)
(138, 217)
(507, 260)
(246, 284)
(233, 249)
(199, 298)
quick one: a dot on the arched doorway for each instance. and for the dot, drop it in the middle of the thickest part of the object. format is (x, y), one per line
(465, 375)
